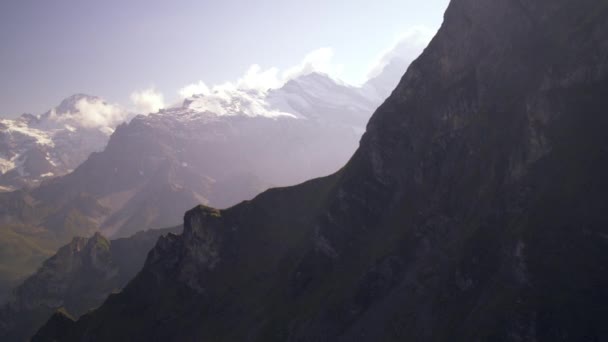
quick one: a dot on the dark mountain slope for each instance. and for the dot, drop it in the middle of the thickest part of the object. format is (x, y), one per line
(77, 278)
(474, 209)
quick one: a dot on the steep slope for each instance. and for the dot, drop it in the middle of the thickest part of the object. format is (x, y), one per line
(36, 148)
(77, 279)
(474, 209)
(216, 149)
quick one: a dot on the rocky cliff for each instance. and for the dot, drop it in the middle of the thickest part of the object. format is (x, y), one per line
(78, 278)
(474, 209)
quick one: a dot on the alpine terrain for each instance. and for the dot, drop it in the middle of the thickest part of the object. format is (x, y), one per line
(36, 148)
(217, 148)
(473, 210)
(76, 279)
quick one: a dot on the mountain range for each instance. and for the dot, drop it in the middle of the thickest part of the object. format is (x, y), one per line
(473, 210)
(217, 148)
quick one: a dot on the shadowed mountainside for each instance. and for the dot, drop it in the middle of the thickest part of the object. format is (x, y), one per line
(474, 209)
(76, 279)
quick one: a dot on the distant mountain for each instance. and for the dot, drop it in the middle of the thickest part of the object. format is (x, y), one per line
(217, 149)
(473, 210)
(386, 74)
(78, 278)
(37, 148)
(383, 84)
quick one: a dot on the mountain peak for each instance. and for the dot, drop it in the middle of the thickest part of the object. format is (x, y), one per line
(313, 80)
(37, 147)
(70, 104)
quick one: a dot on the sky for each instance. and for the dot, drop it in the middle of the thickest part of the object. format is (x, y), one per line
(143, 54)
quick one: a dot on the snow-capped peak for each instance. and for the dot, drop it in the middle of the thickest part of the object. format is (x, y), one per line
(85, 111)
(230, 101)
(32, 147)
(311, 82)
(71, 103)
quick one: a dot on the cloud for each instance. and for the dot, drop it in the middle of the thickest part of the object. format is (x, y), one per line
(407, 47)
(257, 79)
(261, 80)
(194, 89)
(148, 100)
(320, 60)
(92, 113)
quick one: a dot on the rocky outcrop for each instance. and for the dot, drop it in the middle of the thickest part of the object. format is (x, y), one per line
(78, 278)
(474, 209)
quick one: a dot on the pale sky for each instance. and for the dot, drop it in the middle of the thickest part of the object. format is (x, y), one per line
(113, 48)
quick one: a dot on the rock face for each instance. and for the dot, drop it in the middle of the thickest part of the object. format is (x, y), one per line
(78, 278)
(474, 209)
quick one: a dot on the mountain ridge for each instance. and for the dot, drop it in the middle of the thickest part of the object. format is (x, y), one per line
(471, 211)
(156, 166)
(76, 279)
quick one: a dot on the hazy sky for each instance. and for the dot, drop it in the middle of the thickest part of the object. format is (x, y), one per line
(112, 48)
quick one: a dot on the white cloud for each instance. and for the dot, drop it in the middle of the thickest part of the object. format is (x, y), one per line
(148, 100)
(408, 46)
(258, 79)
(194, 89)
(92, 113)
(320, 60)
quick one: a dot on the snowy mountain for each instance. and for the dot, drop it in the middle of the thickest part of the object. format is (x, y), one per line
(380, 86)
(36, 148)
(319, 98)
(218, 148)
